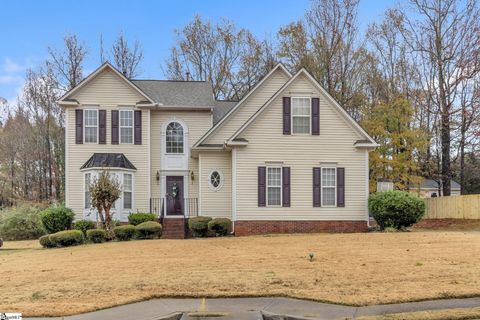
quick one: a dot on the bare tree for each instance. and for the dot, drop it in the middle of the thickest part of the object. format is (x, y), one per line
(443, 35)
(68, 63)
(126, 58)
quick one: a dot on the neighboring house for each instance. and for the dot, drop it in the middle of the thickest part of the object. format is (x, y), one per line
(430, 188)
(286, 158)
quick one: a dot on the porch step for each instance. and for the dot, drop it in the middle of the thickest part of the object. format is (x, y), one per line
(174, 228)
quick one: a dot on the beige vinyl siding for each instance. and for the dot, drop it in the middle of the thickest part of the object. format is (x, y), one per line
(301, 153)
(107, 88)
(198, 122)
(249, 107)
(78, 154)
(216, 203)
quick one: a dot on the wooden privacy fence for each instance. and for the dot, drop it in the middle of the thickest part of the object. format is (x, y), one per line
(453, 207)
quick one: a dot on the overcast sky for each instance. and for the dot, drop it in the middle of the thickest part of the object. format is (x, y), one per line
(27, 28)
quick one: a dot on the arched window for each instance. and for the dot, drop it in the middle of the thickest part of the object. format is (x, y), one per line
(174, 138)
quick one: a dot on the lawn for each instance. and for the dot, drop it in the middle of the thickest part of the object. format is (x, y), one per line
(357, 269)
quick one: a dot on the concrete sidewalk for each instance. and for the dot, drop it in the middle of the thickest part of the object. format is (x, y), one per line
(252, 308)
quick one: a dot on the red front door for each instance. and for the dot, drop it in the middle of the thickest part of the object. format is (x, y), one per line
(174, 195)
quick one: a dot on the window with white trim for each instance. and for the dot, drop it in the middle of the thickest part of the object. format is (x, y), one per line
(301, 112)
(126, 126)
(274, 186)
(91, 125)
(127, 191)
(215, 180)
(125, 202)
(88, 200)
(174, 137)
(329, 187)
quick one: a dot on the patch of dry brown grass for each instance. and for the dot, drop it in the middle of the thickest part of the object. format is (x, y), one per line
(356, 269)
(449, 314)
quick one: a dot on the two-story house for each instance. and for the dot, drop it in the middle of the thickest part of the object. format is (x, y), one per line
(286, 158)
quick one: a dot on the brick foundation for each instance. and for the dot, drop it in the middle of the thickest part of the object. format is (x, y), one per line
(443, 223)
(246, 228)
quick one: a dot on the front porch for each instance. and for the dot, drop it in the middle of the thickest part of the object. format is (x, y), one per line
(173, 214)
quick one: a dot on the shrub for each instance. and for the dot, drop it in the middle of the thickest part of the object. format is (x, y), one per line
(199, 226)
(21, 223)
(396, 209)
(96, 235)
(137, 218)
(57, 219)
(67, 238)
(149, 230)
(46, 242)
(124, 233)
(84, 225)
(220, 226)
(1, 242)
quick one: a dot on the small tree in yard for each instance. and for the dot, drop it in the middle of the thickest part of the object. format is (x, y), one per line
(104, 191)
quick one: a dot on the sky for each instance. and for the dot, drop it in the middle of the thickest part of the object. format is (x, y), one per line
(27, 28)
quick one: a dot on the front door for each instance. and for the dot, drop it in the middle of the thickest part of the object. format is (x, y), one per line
(174, 195)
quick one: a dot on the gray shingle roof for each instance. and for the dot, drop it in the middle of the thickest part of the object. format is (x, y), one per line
(221, 109)
(178, 93)
(108, 160)
(432, 184)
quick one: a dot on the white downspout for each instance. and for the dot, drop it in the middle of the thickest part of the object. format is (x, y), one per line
(234, 188)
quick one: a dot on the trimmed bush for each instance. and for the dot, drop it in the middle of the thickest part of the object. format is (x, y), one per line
(220, 226)
(396, 209)
(67, 238)
(46, 242)
(57, 219)
(96, 235)
(137, 218)
(84, 225)
(21, 223)
(148, 230)
(199, 226)
(124, 233)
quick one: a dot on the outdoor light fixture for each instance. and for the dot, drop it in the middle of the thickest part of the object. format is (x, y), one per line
(157, 176)
(192, 175)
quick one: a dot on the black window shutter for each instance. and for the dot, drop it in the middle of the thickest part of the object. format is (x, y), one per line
(78, 126)
(102, 126)
(138, 126)
(317, 186)
(286, 186)
(315, 116)
(340, 187)
(114, 126)
(286, 116)
(262, 175)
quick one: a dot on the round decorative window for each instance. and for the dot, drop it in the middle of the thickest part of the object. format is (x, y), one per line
(215, 180)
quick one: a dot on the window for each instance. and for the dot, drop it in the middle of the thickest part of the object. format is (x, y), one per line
(127, 191)
(274, 186)
(91, 126)
(88, 200)
(174, 138)
(301, 115)
(126, 126)
(215, 180)
(329, 187)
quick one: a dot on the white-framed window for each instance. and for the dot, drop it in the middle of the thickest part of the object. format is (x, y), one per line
(126, 126)
(274, 186)
(301, 113)
(215, 179)
(329, 187)
(88, 181)
(125, 203)
(90, 125)
(174, 138)
(127, 190)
